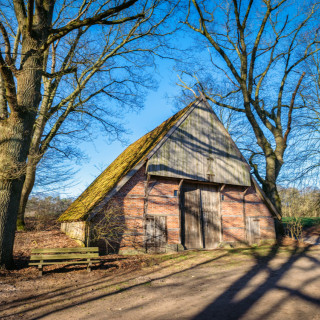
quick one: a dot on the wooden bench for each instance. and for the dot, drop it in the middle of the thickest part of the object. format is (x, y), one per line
(46, 256)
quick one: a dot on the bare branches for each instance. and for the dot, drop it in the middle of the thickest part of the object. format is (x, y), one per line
(203, 30)
(210, 97)
(260, 59)
(101, 18)
(57, 107)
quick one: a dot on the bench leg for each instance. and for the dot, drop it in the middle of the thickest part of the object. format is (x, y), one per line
(89, 267)
(40, 270)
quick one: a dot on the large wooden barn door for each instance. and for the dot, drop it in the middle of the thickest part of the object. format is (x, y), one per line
(191, 217)
(201, 223)
(211, 216)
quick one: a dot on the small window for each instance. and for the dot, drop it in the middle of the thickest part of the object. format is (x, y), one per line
(175, 193)
(222, 197)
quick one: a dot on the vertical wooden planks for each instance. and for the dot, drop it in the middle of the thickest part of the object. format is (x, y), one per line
(156, 233)
(191, 216)
(253, 230)
(201, 221)
(211, 216)
(201, 149)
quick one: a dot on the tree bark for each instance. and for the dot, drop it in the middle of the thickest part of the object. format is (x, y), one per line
(13, 152)
(3, 102)
(26, 190)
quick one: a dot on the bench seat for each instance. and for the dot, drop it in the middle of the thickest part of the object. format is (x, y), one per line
(48, 256)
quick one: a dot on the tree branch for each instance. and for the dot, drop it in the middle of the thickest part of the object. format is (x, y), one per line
(16, 45)
(59, 73)
(97, 19)
(30, 16)
(3, 101)
(285, 137)
(254, 166)
(20, 11)
(8, 59)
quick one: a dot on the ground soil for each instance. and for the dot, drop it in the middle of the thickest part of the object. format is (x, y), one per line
(267, 282)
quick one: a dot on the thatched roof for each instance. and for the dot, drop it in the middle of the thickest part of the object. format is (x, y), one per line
(118, 169)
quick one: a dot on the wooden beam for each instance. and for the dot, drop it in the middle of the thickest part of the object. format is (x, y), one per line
(244, 212)
(179, 205)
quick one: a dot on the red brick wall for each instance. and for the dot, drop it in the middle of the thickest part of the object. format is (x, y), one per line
(161, 201)
(237, 205)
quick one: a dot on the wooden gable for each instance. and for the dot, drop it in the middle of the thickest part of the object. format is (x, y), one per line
(200, 149)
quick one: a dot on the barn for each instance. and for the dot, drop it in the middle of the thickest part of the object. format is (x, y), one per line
(184, 185)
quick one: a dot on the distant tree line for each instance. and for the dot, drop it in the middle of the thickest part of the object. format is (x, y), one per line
(47, 205)
(42, 211)
(300, 203)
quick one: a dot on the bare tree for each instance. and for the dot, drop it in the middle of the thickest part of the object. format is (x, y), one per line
(57, 57)
(86, 73)
(108, 227)
(257, 49)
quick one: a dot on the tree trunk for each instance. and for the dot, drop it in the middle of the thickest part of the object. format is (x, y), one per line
(26, 190)
(16, 133)
(13, 153)
(270, 188)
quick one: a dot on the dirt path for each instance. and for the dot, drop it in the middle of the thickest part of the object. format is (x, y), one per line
(197, 285)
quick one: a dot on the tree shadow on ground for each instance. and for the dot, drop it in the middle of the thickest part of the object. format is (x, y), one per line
(69, 296)
(227, 305)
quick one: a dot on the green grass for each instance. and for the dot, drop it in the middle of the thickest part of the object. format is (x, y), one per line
(307, 222)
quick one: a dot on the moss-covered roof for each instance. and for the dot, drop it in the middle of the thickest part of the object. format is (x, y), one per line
(119, 168)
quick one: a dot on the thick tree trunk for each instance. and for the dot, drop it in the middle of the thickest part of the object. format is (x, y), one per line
(16, 133)
(33, 158)
(270, 188)
(13, 153)
(273, 166)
